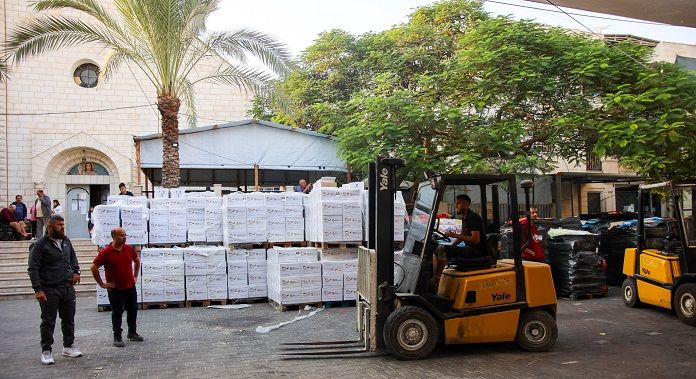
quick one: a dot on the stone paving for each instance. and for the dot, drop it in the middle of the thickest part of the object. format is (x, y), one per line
(599, 338)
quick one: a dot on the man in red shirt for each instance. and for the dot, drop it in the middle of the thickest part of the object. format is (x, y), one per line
(117, 259)
(534, 250)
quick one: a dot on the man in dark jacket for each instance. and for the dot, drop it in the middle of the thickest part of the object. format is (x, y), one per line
(21, 210)
(54, 270)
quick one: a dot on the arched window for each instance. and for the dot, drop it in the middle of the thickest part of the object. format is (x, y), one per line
(88, 168)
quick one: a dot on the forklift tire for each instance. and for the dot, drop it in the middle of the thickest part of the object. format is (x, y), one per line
(410, 332)
(685, 303)
(536, 331)
(630, 293)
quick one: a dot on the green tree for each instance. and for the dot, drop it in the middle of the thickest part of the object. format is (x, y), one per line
(166, 39)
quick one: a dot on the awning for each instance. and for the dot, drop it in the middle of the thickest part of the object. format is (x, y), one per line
(244, 144)
(673, 12)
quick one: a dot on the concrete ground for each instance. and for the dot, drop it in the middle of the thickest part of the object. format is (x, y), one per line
(599, 338)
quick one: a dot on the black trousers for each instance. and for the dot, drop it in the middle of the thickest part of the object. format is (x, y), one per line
(449, 252)
(61, 301)
(123, 299)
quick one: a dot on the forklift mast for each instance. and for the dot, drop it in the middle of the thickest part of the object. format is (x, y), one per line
(382, 191)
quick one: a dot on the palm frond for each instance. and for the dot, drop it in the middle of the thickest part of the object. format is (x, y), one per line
(90, 7)
(248, 79)
(187, 94)
(267, 49)
(50, 33)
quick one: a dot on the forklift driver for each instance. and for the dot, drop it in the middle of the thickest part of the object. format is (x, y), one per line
(472, 227)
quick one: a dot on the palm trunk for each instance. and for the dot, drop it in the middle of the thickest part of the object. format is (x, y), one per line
(169, 109)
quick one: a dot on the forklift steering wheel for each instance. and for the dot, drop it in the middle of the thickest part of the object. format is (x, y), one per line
(439, 236)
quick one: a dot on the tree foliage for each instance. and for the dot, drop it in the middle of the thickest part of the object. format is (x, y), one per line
(454, 90)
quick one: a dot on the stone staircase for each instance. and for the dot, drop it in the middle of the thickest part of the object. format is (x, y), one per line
(14, 280)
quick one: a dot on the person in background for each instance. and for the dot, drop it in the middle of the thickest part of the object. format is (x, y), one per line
(303, 187)
(7, 217)
(122, 190)
(32, 219)
(43, 212)
(90, 224)
(21, 211)
(54, 271)
(533, 251)
(57, 208)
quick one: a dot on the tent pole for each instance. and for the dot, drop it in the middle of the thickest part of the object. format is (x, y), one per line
(256, 176)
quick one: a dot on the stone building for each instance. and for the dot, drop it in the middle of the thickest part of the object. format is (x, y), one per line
(57, 118)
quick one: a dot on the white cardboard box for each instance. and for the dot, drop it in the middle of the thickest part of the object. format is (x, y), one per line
(238, 293)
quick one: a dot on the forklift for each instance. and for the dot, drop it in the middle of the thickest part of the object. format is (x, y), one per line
(479, 300)
(663, 274)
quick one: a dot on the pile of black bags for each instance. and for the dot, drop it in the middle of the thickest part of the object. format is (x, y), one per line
(575, 265)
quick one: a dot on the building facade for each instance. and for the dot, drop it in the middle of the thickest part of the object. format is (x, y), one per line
(64, 131)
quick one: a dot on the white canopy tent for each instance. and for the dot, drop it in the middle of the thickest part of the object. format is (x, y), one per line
(273, 151)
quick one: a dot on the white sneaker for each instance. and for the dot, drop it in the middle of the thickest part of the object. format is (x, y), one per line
(47, 357)
(71, 352)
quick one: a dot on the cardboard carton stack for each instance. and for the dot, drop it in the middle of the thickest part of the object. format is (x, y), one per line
(105, 218)
(195, 219)
(134, 222)
(206, 273)
(399, 215)
(103, 293)
(167, 221)
(294, 275)
(173, 274)
(152, 273)
(213, 219)
(339, 274)
(334, 215)
(246, 273)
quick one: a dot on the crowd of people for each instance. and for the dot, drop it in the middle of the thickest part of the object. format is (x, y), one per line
(27, 223)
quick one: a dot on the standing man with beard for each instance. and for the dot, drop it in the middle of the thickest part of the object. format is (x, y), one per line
(53, 270)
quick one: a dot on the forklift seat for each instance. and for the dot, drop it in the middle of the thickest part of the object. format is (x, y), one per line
(489, 259)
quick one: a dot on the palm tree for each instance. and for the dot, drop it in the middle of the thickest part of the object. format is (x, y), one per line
(166, 39)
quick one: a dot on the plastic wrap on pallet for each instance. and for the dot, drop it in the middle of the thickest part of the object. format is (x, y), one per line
(575, 264)
(293, 275)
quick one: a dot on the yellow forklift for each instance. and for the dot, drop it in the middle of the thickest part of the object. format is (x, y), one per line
(480, 300)
(661, 270)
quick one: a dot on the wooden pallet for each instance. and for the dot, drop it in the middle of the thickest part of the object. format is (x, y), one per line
(293, 307)
(163, 305)
(246, 246)
(587, 296)
(337, 245)
(270, 245)
(104, 308)
(205, 303)
(339, 304)
(254, 300)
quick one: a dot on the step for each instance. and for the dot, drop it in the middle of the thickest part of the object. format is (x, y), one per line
(23, 289)
(10, 259)
(22, 266)
(25, 282)
(86, 292)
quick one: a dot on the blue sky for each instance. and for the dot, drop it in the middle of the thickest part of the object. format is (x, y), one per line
(298, 22)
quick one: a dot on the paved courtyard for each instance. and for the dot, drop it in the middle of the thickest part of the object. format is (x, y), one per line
(599, 338)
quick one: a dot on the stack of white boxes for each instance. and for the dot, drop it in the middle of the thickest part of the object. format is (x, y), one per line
(275, 217)
(294, 275)
(294, 216)
(216, 273)
(134, 222)
(195, 269)
(334, 215)
(339, 274)
(234, 219)
(195, 219)
(152, 273)
(257, 271)
(206, 273)
(213, 219)
(399, 215)
(159, 221)
(177, 220)
(237, 274)
(105, 218)
(103, 293)
(173, 274)
(257, 217)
